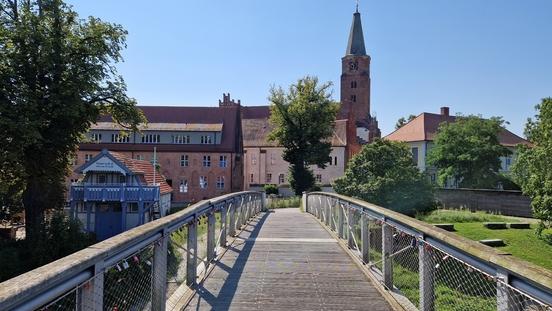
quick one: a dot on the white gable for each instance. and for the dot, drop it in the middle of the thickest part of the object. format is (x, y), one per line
(104, 164)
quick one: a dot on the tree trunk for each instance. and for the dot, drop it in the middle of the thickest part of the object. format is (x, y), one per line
(33, 202)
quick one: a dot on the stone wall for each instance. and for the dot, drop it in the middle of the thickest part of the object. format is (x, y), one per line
(510, 203)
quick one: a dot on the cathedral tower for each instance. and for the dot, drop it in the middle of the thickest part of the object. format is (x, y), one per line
(355, 84)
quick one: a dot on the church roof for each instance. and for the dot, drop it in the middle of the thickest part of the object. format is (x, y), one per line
(356, 37)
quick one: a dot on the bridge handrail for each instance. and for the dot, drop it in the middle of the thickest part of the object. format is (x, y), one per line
(45, 283)
(521, 275)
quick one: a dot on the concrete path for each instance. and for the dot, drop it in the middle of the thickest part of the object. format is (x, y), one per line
(285, 260)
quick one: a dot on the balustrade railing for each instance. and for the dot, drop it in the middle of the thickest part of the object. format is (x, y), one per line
(150, 267)
(427, 268)
(114, 193)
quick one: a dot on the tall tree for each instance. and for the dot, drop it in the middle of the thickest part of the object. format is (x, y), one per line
(469, 151)
(533, 166)
(57, 76)
(402, 121)
(383, 173)
(303, 120)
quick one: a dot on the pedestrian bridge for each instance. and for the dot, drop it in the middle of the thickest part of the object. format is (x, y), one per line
(337, 253)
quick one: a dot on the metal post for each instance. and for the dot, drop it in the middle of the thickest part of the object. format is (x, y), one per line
(340, 218)
(350, 227)
(387, 250)
(332, 209)
(232, 211)
(223, 225)
(159, 286)
(503, 300)
(304, 203)
(328, 208)
(91, 295)
(365, 238)
(427, 279)
(211, 221)
(191, 258)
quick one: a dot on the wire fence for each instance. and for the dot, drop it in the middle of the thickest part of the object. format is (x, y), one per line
(154, 271)
(420, 274)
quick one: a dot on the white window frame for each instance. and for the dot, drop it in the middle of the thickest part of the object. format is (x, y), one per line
(223, 161)
(206, 140)
(220, 182)
(181, 139)
(206, 161)
(120, 138)
(151, 138)
(184, 160)
(183, 188)
(203, 182)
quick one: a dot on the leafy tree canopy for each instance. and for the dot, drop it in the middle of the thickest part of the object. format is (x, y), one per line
(402, 121)
(303, 120)
(57, 76)
(383, 173)
(533, 166)
(469, 151)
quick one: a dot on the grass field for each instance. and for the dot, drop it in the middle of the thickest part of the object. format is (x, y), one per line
(521, 243)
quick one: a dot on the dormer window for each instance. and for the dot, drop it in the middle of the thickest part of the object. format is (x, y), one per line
(96, 137)
(151, 138)
(120, 138)
(181, 139)
(206, 139)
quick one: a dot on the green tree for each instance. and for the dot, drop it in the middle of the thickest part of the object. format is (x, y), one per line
(469, 151)
(384, 174)
(303, 120)
(533, 166)
(57, 76)
(402, 121)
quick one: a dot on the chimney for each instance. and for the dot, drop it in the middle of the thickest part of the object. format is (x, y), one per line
(445, 111)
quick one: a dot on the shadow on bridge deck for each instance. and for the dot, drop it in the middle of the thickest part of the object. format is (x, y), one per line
(284, 260)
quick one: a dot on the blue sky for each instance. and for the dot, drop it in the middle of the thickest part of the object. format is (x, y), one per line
(491, 57)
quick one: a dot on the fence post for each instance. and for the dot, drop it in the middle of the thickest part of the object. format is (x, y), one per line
(191, 258)
(350, 227)
(332, 208)
(159, 282)
(340, 216)
(91, 296)
(223, 225)
(427, 278)
(304, 202)
(211, 222)
(365, 238)
(232, 211)
(503, 299)
(328, 207)
(387, 250)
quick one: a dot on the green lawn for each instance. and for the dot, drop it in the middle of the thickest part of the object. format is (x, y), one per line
(521, 243)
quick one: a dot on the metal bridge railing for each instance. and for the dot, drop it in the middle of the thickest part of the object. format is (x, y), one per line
(150, 267)
(427, 268)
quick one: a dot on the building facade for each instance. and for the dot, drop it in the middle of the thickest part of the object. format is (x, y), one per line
(420, 132)
(198, 149)
(116, 193)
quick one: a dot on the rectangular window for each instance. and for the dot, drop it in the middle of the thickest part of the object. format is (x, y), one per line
(139, 157)
(415, 155)
(272, 159)
(102, 179)
(222, 161)
(253, 159)
(206, 161)
(206, 139)
(184, 160)
(251, 178)
(183, 186)
(87, 157)
(268, 177)
(96, 137)
(122, 179)
(220, 182)
(508, 161)
(74, 160)
(203, 182)
(151, 138)
(181, 139)
(353, 98)
(120, 138)
(281, 179)
(335, 160)
(318, 178)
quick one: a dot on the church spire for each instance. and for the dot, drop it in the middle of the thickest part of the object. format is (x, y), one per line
(356, 37)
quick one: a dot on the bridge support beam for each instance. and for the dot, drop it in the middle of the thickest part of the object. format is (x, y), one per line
(191, 258)
(90, 296)
(365, 238)
(223, 226)
(211, 222)
(232, 214)
(504, 300)
(427, 279)
(159, 277)
(387, 250)
(340, 218)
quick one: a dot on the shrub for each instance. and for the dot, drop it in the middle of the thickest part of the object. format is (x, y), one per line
(270, 189)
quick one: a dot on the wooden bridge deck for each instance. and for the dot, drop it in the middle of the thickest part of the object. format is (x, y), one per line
(285, 260)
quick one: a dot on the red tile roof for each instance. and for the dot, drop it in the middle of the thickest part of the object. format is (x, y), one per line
(144, 168)
(425, 126)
